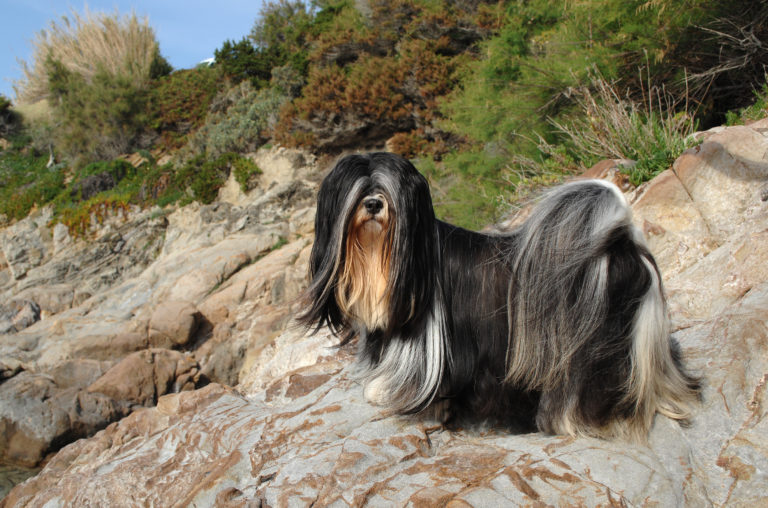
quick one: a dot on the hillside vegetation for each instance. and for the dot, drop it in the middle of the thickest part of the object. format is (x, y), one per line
(488, 98)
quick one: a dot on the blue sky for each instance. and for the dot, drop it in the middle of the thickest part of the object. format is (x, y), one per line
(188, 30)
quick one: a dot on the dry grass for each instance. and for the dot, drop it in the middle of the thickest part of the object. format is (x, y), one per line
(616, 127)
(85, 44)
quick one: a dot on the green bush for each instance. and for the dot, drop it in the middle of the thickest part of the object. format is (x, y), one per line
(204, 176)
(178, 103)
(9, 119)
(756, 111)
(97, 119)
(241, 61)
(239, 122)
(281, 34)
(25, 181)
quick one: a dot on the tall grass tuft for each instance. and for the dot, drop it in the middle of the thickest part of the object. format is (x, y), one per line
(88, 44)
(652, 132)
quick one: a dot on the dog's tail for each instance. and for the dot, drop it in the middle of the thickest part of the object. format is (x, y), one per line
(588, 319)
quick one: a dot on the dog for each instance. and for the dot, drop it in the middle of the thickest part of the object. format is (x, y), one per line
(559, 325)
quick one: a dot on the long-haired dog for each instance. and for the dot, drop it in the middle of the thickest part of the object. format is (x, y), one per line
(560, 325)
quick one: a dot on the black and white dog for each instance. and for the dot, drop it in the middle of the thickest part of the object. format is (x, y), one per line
(560, 325)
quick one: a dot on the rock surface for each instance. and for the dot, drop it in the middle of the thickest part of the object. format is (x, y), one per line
(153, 298)
(297, 432)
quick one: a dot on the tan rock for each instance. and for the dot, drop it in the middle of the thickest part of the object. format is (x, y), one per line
(724, 176)
(142, 377)
(676, 232)
(172, 324)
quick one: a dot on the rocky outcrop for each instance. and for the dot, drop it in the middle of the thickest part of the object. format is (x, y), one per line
(296, 430)
(162, 301)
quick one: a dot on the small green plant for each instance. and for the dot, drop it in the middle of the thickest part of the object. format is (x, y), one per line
(25, 181)
(756, 111)
(204, 176)
(244, 169)
(607, 125)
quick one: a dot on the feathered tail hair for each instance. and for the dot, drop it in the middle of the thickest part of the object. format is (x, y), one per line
(588, 320)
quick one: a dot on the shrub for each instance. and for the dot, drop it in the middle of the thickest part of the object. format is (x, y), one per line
(25, 181)
(755, 111)
(204, 176)
(179, 102)
(281, 33)
(652, 134)
(239, 122)
(9, 119)
(240, 61)
(96, 120)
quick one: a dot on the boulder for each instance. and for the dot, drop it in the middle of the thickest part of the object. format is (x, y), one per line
(37, 417)
(173, 324)
(26, 244)
(141, 377)
(39, 413)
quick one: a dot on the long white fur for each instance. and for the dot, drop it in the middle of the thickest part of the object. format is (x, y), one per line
(409, 373)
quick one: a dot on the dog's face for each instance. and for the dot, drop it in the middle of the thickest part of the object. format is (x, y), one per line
(361, 291)
(371, 264)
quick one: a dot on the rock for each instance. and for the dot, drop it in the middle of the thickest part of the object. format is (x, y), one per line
(724, 176)
(52, 299)
(78, 373)
(36, 417)
(26, 244)
(9, 367)
(39, 413)
(18, 315)
(136, 282)
(142, 377)
(672, 224)
(172, 324)
(61, 237)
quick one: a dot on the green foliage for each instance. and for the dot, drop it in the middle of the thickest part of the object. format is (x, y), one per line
(25, 181)
(244, 169)
(240, 61)
(377, 74)
(281, 34)
(204, 176)
(240, 120)
(756, 111)
(97, 119)
(159, 66)
(607, 125)
(9, 119)
(179, 102)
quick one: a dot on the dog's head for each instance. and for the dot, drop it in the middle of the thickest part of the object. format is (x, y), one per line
(373, 260)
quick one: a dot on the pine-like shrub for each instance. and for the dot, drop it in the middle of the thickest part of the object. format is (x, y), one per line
(178, 103)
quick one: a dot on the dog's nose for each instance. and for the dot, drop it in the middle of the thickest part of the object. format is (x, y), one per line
(373, 205)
